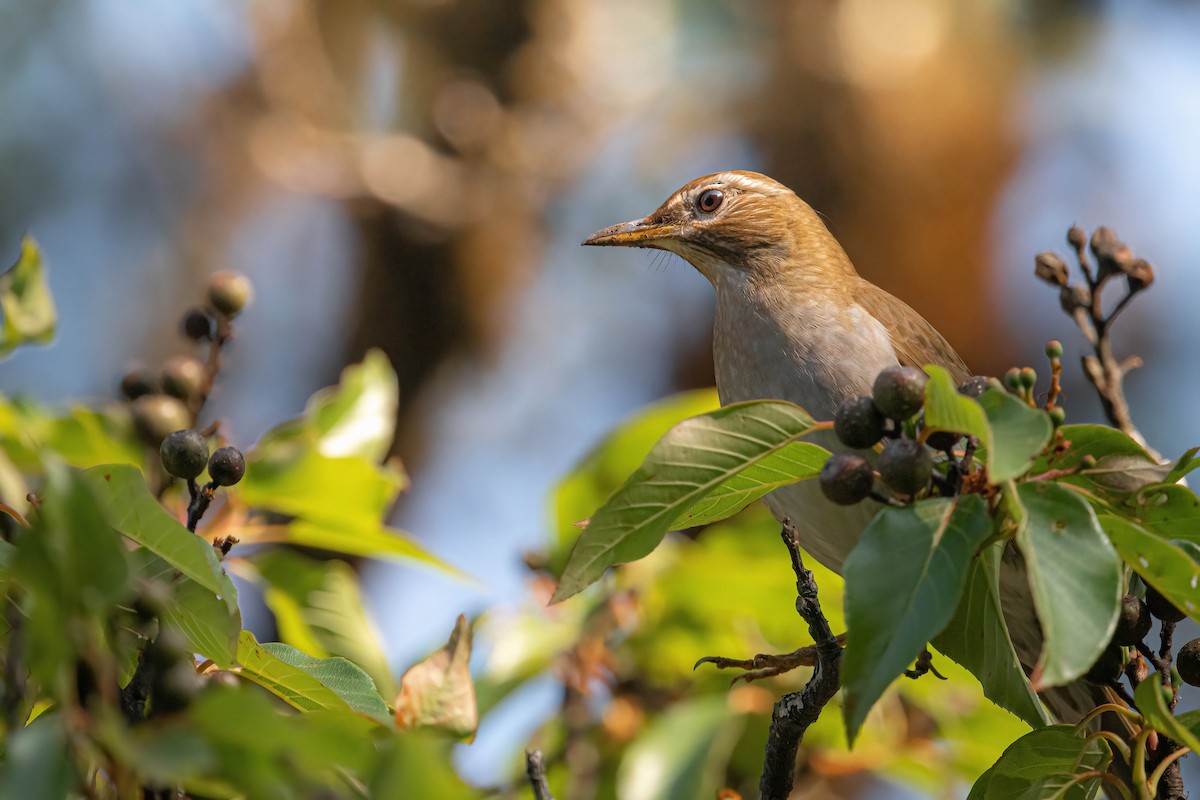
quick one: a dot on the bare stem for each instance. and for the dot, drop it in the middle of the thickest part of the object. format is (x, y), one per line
(795, 712)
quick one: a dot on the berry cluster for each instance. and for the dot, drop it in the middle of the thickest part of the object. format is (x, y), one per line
(891, 414)
(1133, 626)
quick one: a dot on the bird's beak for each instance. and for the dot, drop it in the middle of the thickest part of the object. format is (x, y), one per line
(636, 233)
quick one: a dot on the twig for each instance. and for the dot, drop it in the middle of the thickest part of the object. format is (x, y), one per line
(1083, 304)
(795, 712)
(535, 768)
(222, 334)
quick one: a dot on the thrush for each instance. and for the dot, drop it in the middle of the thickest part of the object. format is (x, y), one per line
(795, 321)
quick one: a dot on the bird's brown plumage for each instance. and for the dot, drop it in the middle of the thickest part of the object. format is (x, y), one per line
(795, 321)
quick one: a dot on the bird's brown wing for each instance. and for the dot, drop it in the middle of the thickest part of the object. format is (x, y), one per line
(916, 342)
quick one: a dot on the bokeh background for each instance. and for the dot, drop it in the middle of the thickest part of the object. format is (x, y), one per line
(417, 175)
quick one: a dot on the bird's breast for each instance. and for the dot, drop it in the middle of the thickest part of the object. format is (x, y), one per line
(800, 349)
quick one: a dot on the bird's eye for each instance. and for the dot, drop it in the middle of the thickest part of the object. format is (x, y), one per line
(709, 201)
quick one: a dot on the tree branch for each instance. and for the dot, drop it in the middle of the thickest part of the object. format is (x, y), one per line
(795, 712)
(535, 768)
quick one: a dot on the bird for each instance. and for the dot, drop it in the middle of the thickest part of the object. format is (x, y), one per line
(795, 321)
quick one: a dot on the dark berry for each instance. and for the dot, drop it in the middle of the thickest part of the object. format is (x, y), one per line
(846, 478)
(197, 325)
(973, 386)
(157, 415)
(139, 382)
(899, 392)
(943, 441)
(1161, 607)
(858, 422)
(1108, 666)
(1133, 623)
(1188, 662)
(905, 465)
(182, 377)
(184, 454)
(226, 466)
(229, 292)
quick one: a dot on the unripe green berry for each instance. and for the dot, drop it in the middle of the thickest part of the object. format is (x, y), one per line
(229, 292)
(138, 382)
(1054, 349)
(157, 415)
(1133, 623)
(1012, 379)
(846, 478)
(1028, 378)
(226, 466)
(905, 465)
(899, 392)
(197, 325)
(1058, 415)
(184, 454)
(1087, 461)
(182, 377)
(858, 423)
(1188, 662)
(1161, 607)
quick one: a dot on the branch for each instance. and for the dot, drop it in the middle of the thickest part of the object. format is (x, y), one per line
(535, 768)
(795, 712)
(1083, 304)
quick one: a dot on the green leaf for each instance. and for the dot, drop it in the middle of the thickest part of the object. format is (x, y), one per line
(37, 761)
(682, 754)
(376, 541)
(133, 511)
(1043, 765)
(796, 462)
(309, 683)
(977, 638)
(1122, 465)
(1076, 580)
(319, 609)
(1162, 564)
(419, 764)
(29, 314)
(1151, 699)
(903, 582)
(608, 464)
(1170, 511)
(947, 410)
(1183, 466)
(691, 460)
(209, 624)
(358, 416)
(1018, 433)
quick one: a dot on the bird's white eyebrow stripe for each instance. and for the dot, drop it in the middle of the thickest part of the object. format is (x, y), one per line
(744, 181)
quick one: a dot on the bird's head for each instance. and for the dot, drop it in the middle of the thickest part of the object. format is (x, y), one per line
(736, 224)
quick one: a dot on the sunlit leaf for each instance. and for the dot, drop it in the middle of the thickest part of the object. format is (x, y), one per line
(309, 683)
(207, 622)
(1075, 576)
(132, 510)
(438, 692)
(1170, 511)
(795, 462)
(903, 582)
(29, 315)
(691, 460)
(1045, 764)
(357, 417)
(319, 609)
